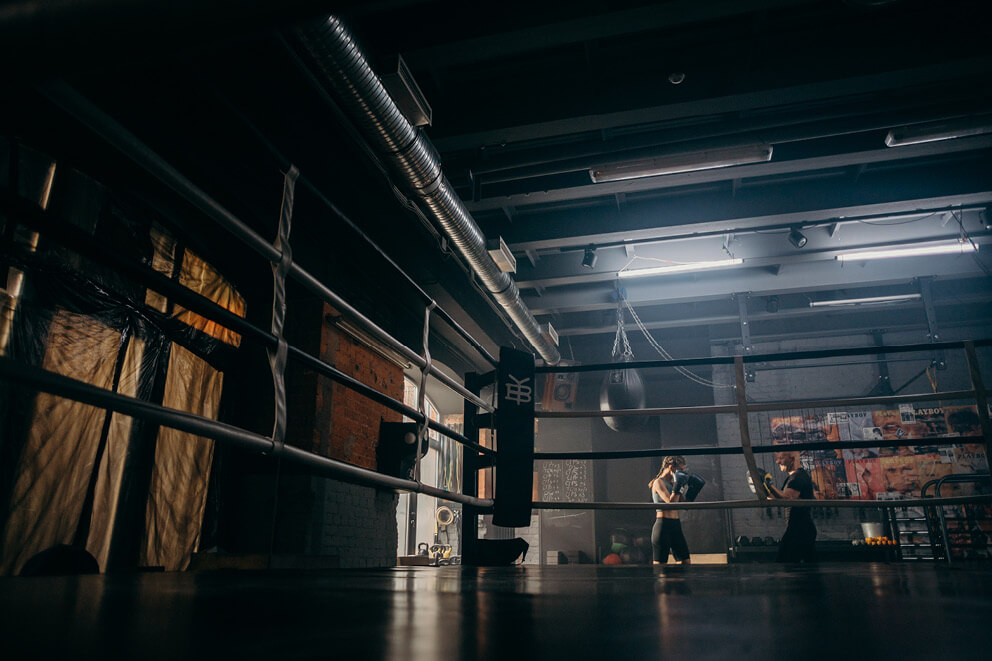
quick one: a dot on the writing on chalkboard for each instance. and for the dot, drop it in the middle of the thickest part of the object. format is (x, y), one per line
(567, 481)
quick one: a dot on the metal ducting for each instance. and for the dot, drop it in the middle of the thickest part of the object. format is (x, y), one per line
(411, 157)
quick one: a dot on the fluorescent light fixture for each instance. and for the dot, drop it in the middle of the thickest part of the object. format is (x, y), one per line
(919, 133)
(680, 268)
(886, 253)
(674, 163)
(872, 300)
(501, 254)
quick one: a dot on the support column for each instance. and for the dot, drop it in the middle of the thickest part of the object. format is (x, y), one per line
(981, 397)
(470, 474)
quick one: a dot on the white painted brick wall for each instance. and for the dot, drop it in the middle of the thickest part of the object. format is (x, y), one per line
(356, 524)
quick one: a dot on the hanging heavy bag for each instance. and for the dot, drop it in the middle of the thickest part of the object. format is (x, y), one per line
(622, 389)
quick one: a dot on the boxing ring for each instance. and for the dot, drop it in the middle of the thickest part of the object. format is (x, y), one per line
(513, 378)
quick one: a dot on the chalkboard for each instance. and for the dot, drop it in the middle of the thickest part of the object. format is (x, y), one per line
(566, 481)
(568, 531)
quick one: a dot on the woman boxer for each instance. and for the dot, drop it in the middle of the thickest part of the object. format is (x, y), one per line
(667, 531)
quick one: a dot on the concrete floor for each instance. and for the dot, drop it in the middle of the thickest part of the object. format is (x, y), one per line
(616, 613)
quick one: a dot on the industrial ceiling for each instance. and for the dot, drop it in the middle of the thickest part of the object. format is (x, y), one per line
(602, 138)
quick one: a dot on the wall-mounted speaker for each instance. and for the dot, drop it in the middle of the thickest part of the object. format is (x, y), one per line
(396, 453)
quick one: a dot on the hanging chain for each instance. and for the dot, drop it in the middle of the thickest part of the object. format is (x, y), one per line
(689, 374)
(627, 353)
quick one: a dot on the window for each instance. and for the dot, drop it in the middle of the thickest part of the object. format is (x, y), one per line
(440, 467)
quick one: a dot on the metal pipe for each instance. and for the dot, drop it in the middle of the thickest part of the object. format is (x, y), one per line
(757, 449)
(84, 244)
(319, 288)
(64, 96)
(285, 164)
(635, 454)
(856, 401)
(763, 406)
(844, 364)
(753, 504)
(672, 410)
(758, 358)
(438, 310)
(63, 386)
(409, 155)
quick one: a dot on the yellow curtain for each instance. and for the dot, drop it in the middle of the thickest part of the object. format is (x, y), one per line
(111, 473)
(178, 492)
(58, 456)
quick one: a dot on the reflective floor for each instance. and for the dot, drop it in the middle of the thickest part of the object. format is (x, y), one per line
(840, 611)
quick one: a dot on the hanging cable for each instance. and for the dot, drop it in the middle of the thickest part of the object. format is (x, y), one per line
(689, 374)
(958, 217)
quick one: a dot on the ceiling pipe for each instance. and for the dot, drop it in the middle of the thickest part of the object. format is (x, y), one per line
(408, 154)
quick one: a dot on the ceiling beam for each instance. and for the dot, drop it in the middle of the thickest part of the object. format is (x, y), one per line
(810, 277)
(494, 165)
(761, 249)
(687, 230)
(759, 317)
(938, 74)
(588, 28)
(773, 168)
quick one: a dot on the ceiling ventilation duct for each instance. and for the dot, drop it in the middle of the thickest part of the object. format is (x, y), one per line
(410, 156)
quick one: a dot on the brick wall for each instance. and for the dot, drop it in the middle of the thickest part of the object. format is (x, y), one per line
(356, 524)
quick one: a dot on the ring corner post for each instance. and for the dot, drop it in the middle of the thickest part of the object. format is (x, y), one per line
(514, 480)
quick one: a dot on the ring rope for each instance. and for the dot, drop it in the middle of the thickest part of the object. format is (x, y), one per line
(754, 504)
(277, 355)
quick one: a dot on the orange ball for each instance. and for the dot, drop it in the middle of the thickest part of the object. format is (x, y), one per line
(612, 559)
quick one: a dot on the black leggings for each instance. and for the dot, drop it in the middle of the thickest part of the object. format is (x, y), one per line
(667, 534)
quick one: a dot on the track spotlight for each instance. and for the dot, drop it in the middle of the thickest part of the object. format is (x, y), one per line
(797, 238)
(589, 259)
